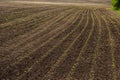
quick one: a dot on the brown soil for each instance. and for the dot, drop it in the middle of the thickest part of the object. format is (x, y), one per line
(53, 42)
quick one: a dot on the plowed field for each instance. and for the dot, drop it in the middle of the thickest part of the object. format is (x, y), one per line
(53, 42)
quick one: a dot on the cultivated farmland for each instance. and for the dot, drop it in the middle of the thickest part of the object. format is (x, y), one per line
(58, 42)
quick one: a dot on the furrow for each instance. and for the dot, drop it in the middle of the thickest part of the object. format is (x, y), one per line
(23, 19)
(116, 25)
(103, 68)
(65, 53)
(16, 32)
(45, 55)
(116, 47)
(70, 74)
(40, 27)
(63, 56)
(48, 40)
(19, 13)
(31, 37)
(113, 20)
(112, 43)
(92, 71)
